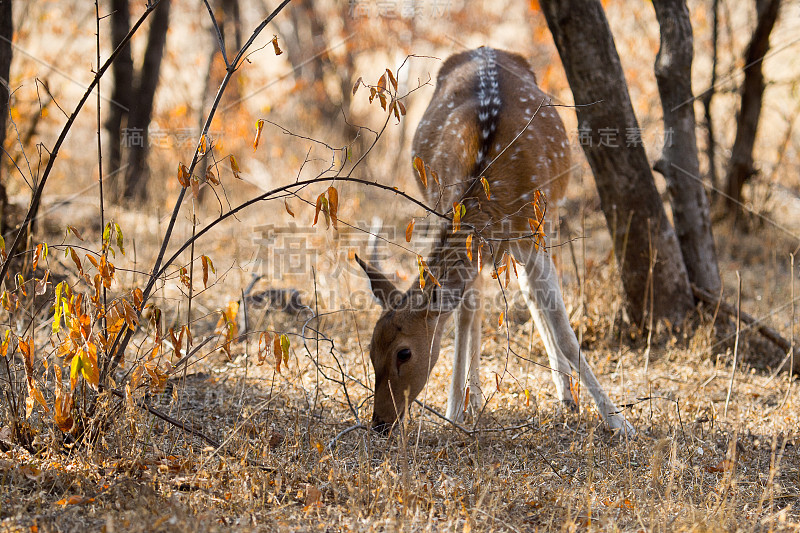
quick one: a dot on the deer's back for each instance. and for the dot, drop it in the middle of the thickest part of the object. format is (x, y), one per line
(483, 101)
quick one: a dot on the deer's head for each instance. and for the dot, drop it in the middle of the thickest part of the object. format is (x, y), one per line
(406, 340)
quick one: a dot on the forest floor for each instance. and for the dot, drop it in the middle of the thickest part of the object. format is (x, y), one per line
(710, 454)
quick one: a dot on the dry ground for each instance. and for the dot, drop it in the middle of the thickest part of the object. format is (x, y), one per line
(693, 466)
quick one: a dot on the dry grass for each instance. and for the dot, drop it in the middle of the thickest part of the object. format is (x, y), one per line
(524, 465)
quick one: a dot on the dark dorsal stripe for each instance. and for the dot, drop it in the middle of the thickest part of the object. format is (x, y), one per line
(489, 102)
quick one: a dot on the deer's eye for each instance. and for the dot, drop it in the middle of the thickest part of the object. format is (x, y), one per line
(403, 355)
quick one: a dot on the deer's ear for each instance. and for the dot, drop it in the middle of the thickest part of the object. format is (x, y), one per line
(383, 289)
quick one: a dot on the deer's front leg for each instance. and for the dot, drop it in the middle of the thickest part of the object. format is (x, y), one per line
(466, 355)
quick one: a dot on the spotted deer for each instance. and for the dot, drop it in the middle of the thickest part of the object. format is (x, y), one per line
(487, 119)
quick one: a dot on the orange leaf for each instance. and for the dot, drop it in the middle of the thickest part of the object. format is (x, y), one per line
(469, 246)
(183, 175)
(286, 205)
(392, 79)
(726, 465)
(409, 230)
(37, 254)
(138, 298)
(333, 206)
(259, 128)
(204, 262)
(322, 205)
(75, 232)
(501, 318)
(76, 259)
(275, 46)
(419, 166)
(211, 177)
(74, 500)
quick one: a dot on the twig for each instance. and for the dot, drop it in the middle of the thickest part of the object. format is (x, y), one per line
(736, 342)
(344, 432)
(750, 321)
(166, 418)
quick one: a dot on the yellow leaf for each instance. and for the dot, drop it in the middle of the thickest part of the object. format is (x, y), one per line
(458, 212)
(485, 183)
(235, 167)
(421, 272)
(277, 352)
(285, 348)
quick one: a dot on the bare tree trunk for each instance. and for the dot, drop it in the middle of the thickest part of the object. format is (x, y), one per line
(137, 172)
(122, 94)
(740, 167)
(232, 14)
(679, 164)
(6, 33)
(708, 95)
(307, 50)
(630, 201)
(228, 15)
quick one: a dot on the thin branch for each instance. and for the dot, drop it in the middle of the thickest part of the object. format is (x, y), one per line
(220, 40)
(750, 321)
(189, 428)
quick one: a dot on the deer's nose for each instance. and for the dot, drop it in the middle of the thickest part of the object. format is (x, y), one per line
(380, 426)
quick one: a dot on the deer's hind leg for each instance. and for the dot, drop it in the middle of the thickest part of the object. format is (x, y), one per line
(550, 315)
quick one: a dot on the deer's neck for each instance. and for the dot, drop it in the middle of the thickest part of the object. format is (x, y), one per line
(449, 261)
